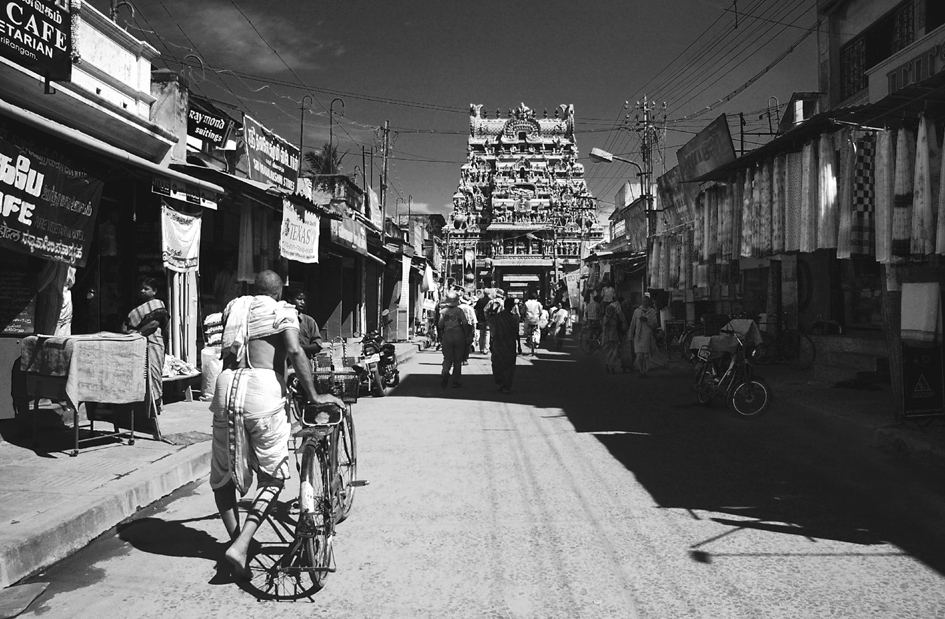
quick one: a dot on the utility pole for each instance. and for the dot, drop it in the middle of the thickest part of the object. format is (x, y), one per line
(384, 154)
(647, 144)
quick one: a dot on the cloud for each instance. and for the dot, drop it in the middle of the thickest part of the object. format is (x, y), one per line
(236, 44)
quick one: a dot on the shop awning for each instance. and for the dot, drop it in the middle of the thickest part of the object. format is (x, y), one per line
(249, 187)
(81, 139)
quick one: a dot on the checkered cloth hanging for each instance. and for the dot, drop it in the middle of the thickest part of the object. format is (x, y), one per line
(863, 228)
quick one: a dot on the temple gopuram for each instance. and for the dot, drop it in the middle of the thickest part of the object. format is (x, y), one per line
(522, 215)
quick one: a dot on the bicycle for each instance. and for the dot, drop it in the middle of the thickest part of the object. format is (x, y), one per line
(726, 372)
(326, 460)
(590, 339)
(790, 346)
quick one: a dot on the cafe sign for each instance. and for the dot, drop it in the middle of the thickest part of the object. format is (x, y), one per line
(48, 206)
(37, 35)
(271, 159)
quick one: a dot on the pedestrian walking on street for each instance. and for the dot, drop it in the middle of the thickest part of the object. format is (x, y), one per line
(466, 304)
(504, 327)
(454, 330)
(614, 326)
(560, 316)
(532, 319)
(481, 324)
(643, 333)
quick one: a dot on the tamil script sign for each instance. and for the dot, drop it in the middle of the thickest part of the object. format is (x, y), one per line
(710, 148)
(349, 233)
(37, 35)
(207, 127)
(192, 194)
(271, 159)
(300, 231)
(677, 208)
(47, 205)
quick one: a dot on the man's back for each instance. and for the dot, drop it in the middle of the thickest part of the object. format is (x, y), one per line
(532, 311)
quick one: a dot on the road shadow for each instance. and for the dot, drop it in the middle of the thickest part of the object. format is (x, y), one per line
(792, 471)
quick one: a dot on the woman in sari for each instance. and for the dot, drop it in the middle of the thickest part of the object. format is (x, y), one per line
(614, 325)
(150, 320)
(643, 333)
(504, 327)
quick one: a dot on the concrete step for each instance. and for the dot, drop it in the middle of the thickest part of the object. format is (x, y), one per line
(853, 360)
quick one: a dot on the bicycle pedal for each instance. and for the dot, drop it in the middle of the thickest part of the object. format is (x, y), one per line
(357, 483)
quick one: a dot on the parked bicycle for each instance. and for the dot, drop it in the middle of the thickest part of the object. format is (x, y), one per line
(789, 346)
(725, 371)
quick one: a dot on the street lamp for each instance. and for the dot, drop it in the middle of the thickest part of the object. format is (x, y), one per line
(331, 119)
(598, 155)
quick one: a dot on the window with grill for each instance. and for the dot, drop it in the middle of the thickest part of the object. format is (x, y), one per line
(891, 33)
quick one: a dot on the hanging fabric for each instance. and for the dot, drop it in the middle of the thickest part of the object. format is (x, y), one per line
(827, 212)
(862, 229)
(884, 187)
(737, 188)
(726, 228)
(684, 262)
(674, 262)
(698, 228)
(845, 162)
(940, 205)
(244, 268)
(665, 262)
(654, 262)
(756, 210)
(923, 215)
(902, 194)
(765, 224)
(180, 239)
(711, 224)
(793, 192)
(809, 197)
(777, 205)
(745, 250)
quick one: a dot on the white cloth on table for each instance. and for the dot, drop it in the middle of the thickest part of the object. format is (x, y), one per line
(921, 313)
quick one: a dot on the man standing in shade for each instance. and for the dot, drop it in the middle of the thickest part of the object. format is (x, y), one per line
(309, 336)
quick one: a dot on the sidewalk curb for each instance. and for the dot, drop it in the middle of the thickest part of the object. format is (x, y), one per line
(59, 533)
(413, 348)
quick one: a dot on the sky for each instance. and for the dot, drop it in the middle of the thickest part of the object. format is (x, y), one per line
(420, 64)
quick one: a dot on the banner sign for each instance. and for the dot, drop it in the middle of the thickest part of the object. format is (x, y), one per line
(404, 284)
(48, 207)
(635, 218)
(349, 233)
(300, 231)
(709, 149)
(374, 209)
(180, 235)
(191, 194)
(676, 206)
(37, 35)
(271, 159)
(207, 127)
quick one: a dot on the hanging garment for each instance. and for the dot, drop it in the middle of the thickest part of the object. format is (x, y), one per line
(862, 231)
(726, 227)
(940, 205)
(697, 229)
(764, 227)
(793, 189)
(746, 242)
(923, 215)
(826, 193)
(664, 262)
(712, 216)
(845, 162)
(902, 194)
(654, 262)
(674, 262)
(685, 247)
(777, 205)
(809, 196)
(884, 189)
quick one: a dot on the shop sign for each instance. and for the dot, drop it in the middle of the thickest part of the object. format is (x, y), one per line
(207, 127)
(177, 190)
(922, 381)
(349, 233)
(37, 35)
(374, 209)
(298, 239)
(672, 198)
(270, 158)
(636, 226)
(47, 207)
(709, 149)
(180, 235)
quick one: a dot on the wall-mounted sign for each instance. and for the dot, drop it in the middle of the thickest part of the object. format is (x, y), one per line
(37, 35)
(298, 239)
(271, 159)
(349, 233)
(192, 194)
(207, 127)
(48, 205)
(709, 149)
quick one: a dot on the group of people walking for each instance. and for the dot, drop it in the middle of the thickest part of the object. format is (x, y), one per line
(628, 335)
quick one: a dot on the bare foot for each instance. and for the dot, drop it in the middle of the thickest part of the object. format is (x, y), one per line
(238, 560)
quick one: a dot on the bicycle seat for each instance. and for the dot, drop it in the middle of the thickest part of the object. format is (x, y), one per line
(313, 414)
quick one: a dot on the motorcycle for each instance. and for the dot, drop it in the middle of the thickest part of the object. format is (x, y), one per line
(384, 357)
(725, 370)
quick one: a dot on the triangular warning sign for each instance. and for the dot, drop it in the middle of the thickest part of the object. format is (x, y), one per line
(922, 387)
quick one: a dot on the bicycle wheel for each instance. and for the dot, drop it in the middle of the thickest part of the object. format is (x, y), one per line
(765, 352)
(686, 344)
(347, 454)
(797, 349)
(751, 398)
(704, 384)
(315, 525)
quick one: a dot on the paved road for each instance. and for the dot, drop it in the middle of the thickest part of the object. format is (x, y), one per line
(581, 494)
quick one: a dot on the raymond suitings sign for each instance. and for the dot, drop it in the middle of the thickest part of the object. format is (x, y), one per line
(271, 159)
(48, 207)
(37, 35)
(710, 148)
(207, 127)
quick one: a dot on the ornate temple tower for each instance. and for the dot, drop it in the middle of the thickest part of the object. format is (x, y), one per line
(522, 215)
